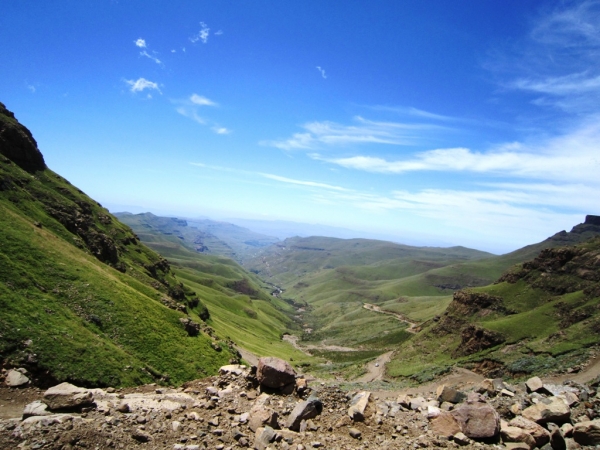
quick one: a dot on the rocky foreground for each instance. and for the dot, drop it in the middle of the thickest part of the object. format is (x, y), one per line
(270, 407)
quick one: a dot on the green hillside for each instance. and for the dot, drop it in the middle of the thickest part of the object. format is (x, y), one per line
(81, 299)
(240, 303)
(541, 315)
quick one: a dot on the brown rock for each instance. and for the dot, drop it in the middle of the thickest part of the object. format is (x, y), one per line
(516, 434)
(552, 409)
(264, 436)
(539, 433)
(449, 394)
(275, 373)
(534, 384)
(587, 433)
(477, 419)
(358, 404)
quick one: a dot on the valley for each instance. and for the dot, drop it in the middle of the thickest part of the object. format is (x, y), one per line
(145, 300)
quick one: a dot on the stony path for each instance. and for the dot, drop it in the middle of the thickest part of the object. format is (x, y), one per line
(376, 368)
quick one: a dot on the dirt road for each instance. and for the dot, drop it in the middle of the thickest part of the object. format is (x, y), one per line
(412, 326)
(376, 368)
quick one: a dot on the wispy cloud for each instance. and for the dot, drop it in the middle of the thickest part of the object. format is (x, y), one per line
(202, 35)
(323, 134)
(201, 100)
(31, 88)
(322, 71)
(559, 61)
(573, 156)
(141, 43)
(142, 84)
(303, 183)
(149, 56)
(190, 108)
(221, 130)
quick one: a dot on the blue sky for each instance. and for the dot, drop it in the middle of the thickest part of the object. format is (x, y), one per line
(471, 123)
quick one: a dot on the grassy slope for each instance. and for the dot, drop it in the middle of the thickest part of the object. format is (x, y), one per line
(552, 319)
(254, 319)
(80, 297)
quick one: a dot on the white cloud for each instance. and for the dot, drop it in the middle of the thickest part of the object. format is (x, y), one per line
(221, 130)
(141, 43)
(202, 35)
(322, 71)
(142, 84)
(219, 33)
(201, 100)
(302, 183)
(190, 107)
(190, 113)
(149, 56)
(31, 88)
(320, 134)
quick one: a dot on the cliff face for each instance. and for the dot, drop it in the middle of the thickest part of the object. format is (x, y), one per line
(17, 143)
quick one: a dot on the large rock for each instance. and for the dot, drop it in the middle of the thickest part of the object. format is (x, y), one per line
(303, 411)
(516, 434)
(534, 384)
(67, 396)
(14, 378)
(553, 409)
(477, 419)
(587, 433)
(539, 433)
(275, 373)
(449, 394)
(358, 404)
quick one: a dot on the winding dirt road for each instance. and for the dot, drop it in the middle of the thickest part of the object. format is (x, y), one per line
(412, 326)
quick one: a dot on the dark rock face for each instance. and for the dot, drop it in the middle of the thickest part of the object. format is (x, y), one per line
(592, 220)
(17, 143)
(475, 339)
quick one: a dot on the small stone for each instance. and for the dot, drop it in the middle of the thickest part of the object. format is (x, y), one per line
(355, 433)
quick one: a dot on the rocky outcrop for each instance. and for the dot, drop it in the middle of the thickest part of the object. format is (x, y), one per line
(17, 144)
(475, 339)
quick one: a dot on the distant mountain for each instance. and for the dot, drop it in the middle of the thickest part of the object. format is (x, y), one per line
(200, 235)
(81, 298)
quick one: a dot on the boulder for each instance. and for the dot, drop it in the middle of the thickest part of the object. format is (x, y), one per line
(449, 394)
(67, 396)
(587, 433)
(534, 384)
(539, 433)
(557, 440)
(516, 434)
(477, 419)
(275, 373)
(552, 409)
(358, 404)
(303, 411)
(15, 378)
